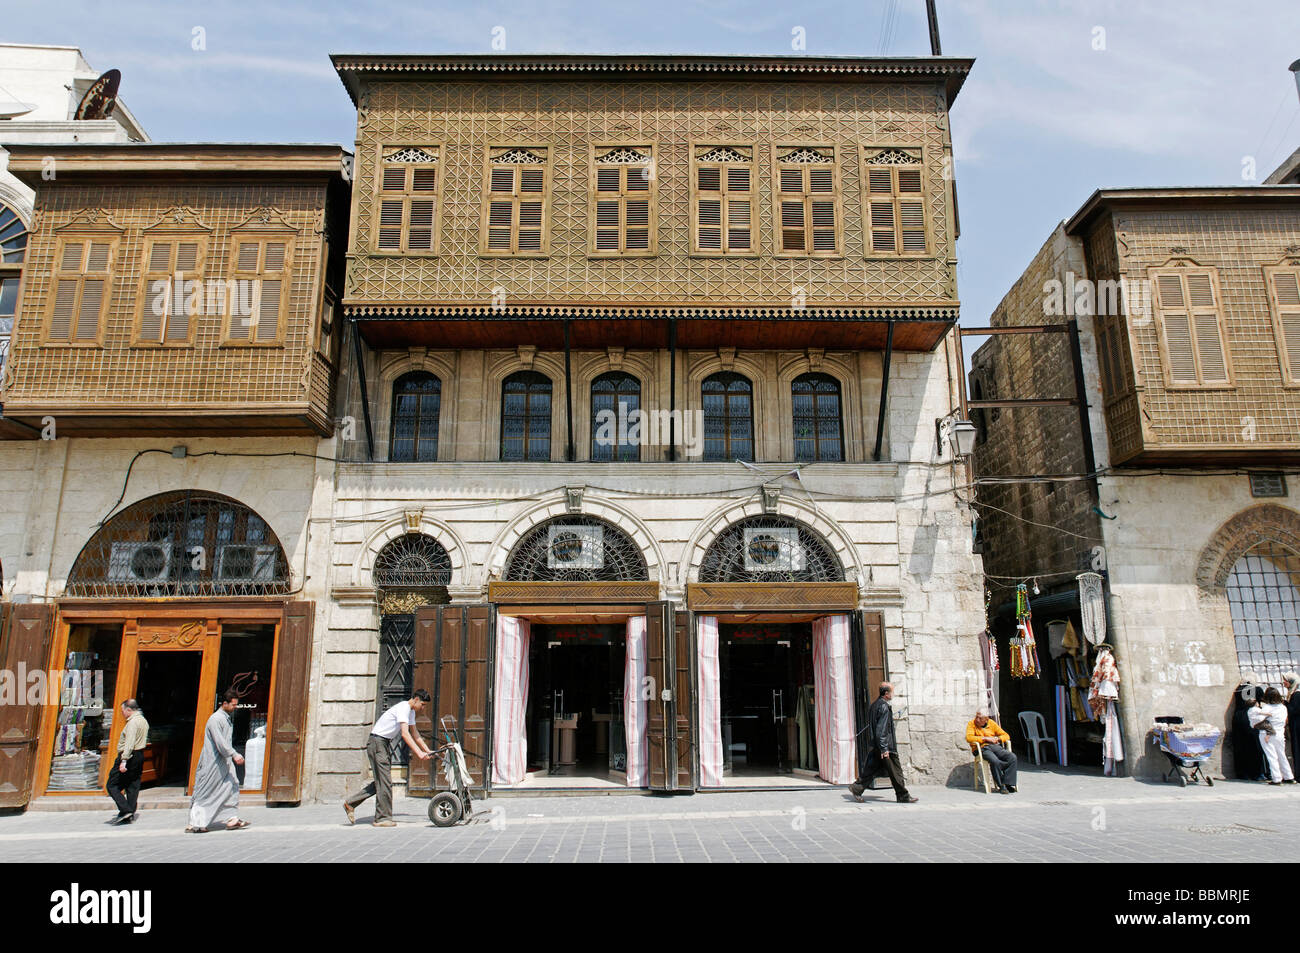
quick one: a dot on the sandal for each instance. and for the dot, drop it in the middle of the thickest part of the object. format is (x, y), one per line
(196, 830)
(238, 825)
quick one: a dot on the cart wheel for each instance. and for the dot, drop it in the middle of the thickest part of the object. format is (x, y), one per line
(444, 809)
(1209, 781)
(1182, 781)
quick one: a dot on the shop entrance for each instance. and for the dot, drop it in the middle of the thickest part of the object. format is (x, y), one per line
(168, 692)
(767, 694)
(575, 703)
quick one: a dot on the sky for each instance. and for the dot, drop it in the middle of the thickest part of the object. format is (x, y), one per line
(1066, 96)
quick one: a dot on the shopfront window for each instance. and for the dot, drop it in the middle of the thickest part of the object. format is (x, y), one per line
(85, 687)
(247, 658)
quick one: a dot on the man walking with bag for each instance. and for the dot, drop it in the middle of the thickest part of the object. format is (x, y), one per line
(882, 749)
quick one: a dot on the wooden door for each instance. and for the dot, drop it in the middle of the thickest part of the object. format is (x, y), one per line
(25, 638)
(867, 646)
(453, 661)
(285, 747)
(670, 722)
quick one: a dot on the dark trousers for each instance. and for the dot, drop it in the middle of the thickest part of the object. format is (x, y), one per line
(124, 786)
(1002, 763)
(875, 764)
(381, 788)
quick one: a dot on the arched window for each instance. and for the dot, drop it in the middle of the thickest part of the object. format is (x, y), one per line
(613, 398)
(412, 561)
(576, 549)
(417, 400)
(526, 416)
(818, 426)
(1264, 600)
(728, 400)
(770, 549)
(185, 543)
(13, 249)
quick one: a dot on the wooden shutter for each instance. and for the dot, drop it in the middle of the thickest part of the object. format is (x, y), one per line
(26, 634)
(623, 202)
(868, 656)
(807, 206)
(81, 287)
(1284, 284)
(453, 660)
(1190, 323)
(671, 719)
(165, 315)
(684, 707)
(284, 755)
(419, 777)
(896, 209)
(407, 201)
(515, 202)
(724, 202)
(1177, 328)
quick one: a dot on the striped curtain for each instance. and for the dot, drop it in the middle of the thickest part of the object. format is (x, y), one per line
(710, 702)
(634, 705)
(836, 725)
(510, 740)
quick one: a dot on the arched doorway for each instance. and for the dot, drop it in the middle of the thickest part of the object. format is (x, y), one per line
(572, 667)
(173, 601)
(779, 641)
(410, 572)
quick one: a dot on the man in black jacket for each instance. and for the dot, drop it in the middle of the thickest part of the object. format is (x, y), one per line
(882, 749)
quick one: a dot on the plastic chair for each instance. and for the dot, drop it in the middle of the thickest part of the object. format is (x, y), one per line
(980, 770)
(1031, 723)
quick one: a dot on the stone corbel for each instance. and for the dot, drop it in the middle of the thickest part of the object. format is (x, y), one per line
(573, 497)
(417, 355)
(771, 499)
(816, 356)
(413, 520)
(727, 356)
(527, 354)
(616, 355)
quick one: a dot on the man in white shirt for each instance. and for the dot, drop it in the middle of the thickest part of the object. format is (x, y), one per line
(400, 719)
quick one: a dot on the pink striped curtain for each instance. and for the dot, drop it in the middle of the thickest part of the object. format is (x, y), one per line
(833, 694)
(510, 739)
(710, 702)
(634, 705)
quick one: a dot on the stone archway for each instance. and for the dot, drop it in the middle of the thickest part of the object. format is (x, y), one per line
(1264, 523)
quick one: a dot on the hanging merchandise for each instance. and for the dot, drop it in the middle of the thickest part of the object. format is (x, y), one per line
(1056, 637)
(989, 658)
(1024, 649)
(1102, 695)
(1070, 640)
(1092, 608)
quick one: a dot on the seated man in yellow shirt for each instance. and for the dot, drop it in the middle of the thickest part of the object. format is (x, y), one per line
(994, 745)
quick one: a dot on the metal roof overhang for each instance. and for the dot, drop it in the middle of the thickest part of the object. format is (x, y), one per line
(592, 327)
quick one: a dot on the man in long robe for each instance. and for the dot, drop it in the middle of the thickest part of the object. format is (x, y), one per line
(216, 785)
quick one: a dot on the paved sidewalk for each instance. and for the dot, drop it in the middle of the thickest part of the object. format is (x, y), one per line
(1056, 816)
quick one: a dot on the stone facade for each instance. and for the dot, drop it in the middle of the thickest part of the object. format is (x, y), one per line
(1168, 538)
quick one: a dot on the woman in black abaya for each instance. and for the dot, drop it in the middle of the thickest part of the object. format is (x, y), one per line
(1247, 755)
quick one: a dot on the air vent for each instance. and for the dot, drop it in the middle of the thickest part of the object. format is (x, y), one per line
(1267, 484)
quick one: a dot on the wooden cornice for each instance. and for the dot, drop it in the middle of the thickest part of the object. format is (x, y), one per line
(27, 162)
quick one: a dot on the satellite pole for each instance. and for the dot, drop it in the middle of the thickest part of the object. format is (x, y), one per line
(1295, 68)
(933, 16)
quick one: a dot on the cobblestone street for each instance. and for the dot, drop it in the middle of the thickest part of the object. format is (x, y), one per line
(1055, 818)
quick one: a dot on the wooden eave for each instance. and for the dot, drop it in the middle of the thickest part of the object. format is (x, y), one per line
(950, 71)
(917, 327)
(28, 162)
(1104, 200)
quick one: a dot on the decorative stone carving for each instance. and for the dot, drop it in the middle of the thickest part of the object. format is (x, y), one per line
(413, 519)
(727, 357)
(527, 354)
(1267, 522)
(573, 497)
